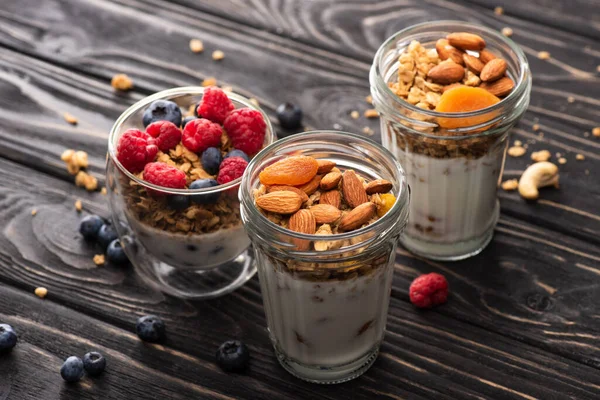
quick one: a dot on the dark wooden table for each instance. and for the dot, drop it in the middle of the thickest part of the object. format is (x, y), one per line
(523, 319)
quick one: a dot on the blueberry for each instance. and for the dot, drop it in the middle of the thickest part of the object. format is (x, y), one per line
(204, 198)
(237, 153)
(115, 253)
(162, 110)
(150, 328)
(90, 226)
(8, 338)
(233, 356)
(94, 363)
(178, 202)
(211, 160)
(72, 369)
(186, 120)
(106, 235)
(289, 115)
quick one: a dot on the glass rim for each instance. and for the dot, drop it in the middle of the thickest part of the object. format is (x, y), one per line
(183, 90)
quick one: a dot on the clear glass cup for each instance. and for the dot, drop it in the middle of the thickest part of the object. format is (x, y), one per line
(198, 252)
(453, 173)
(326, 310)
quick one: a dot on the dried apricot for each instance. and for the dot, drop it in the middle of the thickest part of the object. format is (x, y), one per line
(465, 99)
(387, 201)
(292, 171)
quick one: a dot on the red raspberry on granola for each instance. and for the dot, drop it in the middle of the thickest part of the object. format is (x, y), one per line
(215, 105)
(428, 290)
(200, 134)
(165, 175)
(135, 149)
(246, 128)
(231, 168)
(166, 133)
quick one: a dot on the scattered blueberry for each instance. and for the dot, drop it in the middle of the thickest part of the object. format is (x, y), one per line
(8, 338)
(211, 160)
(186, 120)
(72, 369)
(106, 235)
(233, 356)
(162, 110)
(150, 328)
(204, 198)
(115, 253)
(178, 202)
(289, 115)
(90, 226)
(237, 153)
(94, 363)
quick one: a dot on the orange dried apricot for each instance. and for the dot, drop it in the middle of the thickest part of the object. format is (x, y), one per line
(292, 171)
(464, 99)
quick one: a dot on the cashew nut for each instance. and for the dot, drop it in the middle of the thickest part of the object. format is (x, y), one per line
(538, 175)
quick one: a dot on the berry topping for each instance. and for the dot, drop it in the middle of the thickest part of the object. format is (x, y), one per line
(167, 135)
(215, 105)
(161, 174)
(231, 169)
(115, 253)
(90, 226)
(150, 328)
(211, 159)
(94, 363)
(237, 153)
(136, 149)
(246, 129)
(200, 134)
(233, 356)
(106, 235)
(72, 369)
(289, 115)
(187, 119)
(8, 338)
(204, 184)
(178, 202)
(429, 290)
(162, 110)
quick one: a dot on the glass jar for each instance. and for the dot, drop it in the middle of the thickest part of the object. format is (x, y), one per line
(198, 250)
(453, 173)
(326, 310)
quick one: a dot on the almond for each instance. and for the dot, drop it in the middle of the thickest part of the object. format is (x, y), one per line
(445, 51)
(357, 217)
(448, 87)
(325, 213)
(325, 166)
(446, 72)
(332, 197)
(299, 192)
(330, 180)
(466, 41)
(473, 63)
(293, 171)
(499, 88)
(302, 221)
(281, 202)
(311, 186)
(353, 189)
(486, 56)
(493, 70)
(379, 186)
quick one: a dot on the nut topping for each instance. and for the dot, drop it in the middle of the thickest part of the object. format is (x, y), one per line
(357, 217)
(446, 72)
(466, 41)
(280, 202)
(493, 70)
(331, 180)
(325, 213)
(353, 190)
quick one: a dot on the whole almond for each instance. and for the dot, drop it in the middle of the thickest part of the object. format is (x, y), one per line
(445, 51)
(466, 41)
(379, 186)
(357, 217)
(278, 188)
(332, 197)
(493, 70)
(311, 186)
(325, 213)
(330, 180)
(281, 202)
(353, 190)
(473, 63)
(325, 166)
(303, 221)
(486, 56)
(294, 171)
(446, 73)
(499, 88)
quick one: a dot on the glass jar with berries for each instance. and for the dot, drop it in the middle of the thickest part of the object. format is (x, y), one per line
(175, 161)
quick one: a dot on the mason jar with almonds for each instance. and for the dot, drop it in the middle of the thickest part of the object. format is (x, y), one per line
(324, 211)
(448, 93)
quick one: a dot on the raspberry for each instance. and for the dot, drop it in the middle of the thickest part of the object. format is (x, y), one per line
(166, 133)
(161, 174)
(428, 290)
(136, 149)
(215, 105)
(231, 169)
(200, 134)
(246, 128)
